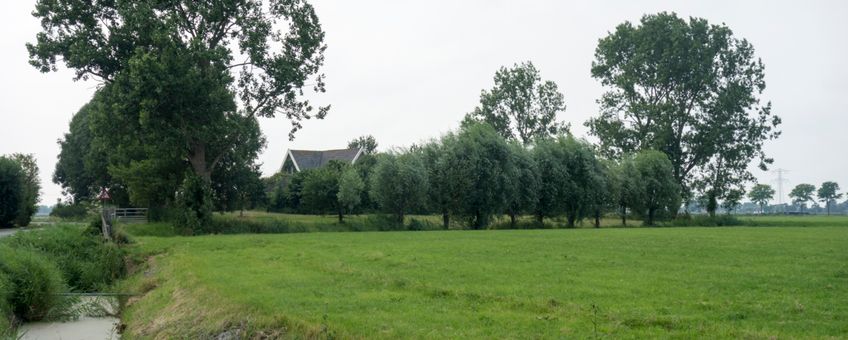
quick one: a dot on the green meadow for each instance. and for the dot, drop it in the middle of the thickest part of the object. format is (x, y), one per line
(682, 282)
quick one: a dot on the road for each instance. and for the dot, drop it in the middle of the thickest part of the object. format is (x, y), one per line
(7, 232)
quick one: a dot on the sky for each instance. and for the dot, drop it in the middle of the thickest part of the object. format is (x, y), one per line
(407, 71)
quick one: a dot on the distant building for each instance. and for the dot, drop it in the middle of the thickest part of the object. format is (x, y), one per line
(299, 160)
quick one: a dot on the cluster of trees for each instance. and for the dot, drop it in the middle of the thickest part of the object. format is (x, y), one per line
(20, 189)
(828, 194)
(174, 122)
(476, 173)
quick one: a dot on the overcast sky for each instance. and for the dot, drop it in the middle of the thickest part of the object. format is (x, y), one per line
(405, 71)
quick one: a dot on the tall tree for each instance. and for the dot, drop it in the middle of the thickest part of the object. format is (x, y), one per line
(368, 144)
(521, 106)
(761, 194)
(171, 74)
(801, 194)
(662, 193)
(11, 191)
(828, 194)
(30, 188)
(444, 190)
(689, 89)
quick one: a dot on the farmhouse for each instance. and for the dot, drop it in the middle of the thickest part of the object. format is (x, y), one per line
(299, 160)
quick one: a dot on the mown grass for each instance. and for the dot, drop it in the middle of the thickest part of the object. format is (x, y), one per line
(738, 282)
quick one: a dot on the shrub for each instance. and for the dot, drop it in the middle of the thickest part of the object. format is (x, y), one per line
(85, 260)
(194, 202)
(10, 191)
(704, 221)
(35, 281)
(76, 211)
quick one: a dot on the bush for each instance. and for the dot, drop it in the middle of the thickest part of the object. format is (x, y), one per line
(76, 211)
(194, 202)
(85, 260)
(35, 282)
(704, 221)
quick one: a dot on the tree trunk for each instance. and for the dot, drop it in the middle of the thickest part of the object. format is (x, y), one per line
(445, 219)
(197, 158)
(624, 215)
(512, 219)
(571, 219)
(651, 212)
(712, 204)
(540, 218)
(341, 215)
(597, 218)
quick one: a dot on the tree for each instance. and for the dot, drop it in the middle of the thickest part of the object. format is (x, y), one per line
(11, 191)
(523, 182)
(690, 90)
(320, 192)
(662, 193)
(443, 190)
(631, 192)
(828, 194)
(80, 169)
(567, 173)
(30, 188)
(174, 93)
(732, 200)
(521, 106)
(761, 194)
(350, 191)
(479, 160)
(801, 194)
(368, 144)
(399, 183)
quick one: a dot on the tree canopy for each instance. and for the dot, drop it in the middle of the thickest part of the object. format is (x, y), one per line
(689, 89)
(521, 106)
(828, 194)
(761, 194)
(801, 194)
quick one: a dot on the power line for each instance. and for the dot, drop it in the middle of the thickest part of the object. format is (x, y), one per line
(780, 180)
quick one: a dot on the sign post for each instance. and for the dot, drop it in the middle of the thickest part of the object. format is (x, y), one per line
(106, 213)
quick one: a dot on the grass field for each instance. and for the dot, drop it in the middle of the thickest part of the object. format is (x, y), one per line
(752, 282)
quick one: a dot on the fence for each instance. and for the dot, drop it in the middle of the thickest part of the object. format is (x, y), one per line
(130, 215)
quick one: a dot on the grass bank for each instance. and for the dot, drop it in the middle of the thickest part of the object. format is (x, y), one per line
(626, 283)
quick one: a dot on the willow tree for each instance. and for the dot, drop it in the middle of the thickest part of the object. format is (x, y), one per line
(186, 77)
(689, 89)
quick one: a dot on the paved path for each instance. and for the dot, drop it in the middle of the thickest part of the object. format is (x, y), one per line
(7, 232)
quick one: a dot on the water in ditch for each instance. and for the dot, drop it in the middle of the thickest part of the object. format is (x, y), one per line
(95, 318)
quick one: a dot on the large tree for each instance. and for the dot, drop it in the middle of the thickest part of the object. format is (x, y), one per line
(521, 106)
(30, 188)
(828, 194)
(801, 194)
(568, 176)
(689, 89)
(182, 77)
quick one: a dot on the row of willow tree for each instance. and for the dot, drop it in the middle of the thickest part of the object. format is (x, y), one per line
(174, 122)
(475, 173)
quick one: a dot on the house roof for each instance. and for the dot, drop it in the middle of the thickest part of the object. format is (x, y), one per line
(310, 159)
